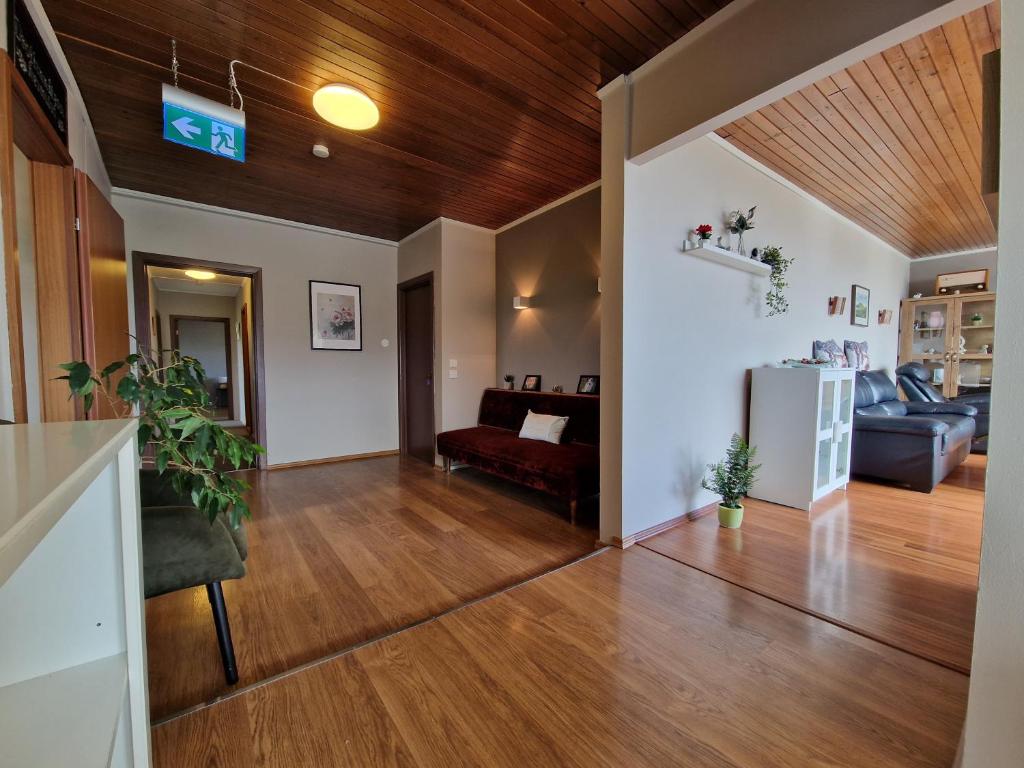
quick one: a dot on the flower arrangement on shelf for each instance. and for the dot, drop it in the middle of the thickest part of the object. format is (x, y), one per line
(703, 233)
(738, 222)
(776, 299)
(510, 381)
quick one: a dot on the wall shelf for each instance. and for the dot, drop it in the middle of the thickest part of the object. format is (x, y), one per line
(730, 259)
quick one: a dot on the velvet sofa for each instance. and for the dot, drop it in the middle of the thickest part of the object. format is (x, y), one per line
(914, 444)
(569, 470)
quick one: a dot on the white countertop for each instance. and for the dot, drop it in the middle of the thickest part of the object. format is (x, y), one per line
(43, 469)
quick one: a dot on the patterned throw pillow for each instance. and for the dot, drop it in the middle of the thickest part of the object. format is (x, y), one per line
(857, 353)
(829, 350)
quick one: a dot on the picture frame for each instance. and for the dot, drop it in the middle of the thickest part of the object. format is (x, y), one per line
(335, 316)
(860, 306)
(531, 382)
(589, 384)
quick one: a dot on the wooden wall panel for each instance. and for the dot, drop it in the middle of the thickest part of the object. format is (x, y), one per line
(104, 275)
(60, 333)
(894, 142)
(10, 240)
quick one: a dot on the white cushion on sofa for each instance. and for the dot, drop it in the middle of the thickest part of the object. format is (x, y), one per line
(541, 426)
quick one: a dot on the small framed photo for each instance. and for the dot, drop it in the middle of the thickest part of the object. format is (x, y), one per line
(335, 316)
(590, 384)
(861, 309)
(531, 382)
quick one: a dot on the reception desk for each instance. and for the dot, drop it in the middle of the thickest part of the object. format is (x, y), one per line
(72, 631)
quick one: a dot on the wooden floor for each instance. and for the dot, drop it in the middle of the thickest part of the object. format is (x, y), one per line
(893, 564)
(342, 553)
(623, 659)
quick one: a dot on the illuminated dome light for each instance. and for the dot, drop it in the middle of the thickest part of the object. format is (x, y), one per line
(346, 107)
(200, 274)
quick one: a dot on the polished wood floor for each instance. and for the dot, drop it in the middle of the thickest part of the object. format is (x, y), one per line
(623, 659)
(892, 564)
(342, 553)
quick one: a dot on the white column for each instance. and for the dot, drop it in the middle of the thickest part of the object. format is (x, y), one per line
(994, 732)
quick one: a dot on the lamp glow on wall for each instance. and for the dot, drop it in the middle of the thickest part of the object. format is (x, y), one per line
(520, 302)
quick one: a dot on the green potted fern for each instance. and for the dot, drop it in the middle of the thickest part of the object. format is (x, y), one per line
(173, 407)
(731, 478)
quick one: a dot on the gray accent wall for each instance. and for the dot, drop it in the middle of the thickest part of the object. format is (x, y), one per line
(924, 271)
(554, 258)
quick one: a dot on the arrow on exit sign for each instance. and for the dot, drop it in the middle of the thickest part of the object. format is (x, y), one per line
(203, 124)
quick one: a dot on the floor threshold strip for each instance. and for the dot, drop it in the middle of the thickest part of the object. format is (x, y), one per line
(370, 641)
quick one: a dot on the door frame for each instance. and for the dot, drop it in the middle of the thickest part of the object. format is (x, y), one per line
(23, 124)
(424, 280)
(226, 322)
(140, 287)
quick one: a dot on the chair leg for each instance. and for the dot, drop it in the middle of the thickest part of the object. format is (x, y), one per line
(215, 592)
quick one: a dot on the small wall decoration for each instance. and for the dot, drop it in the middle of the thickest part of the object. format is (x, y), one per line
(335, 316)
(837, 305)
(531, 382)
(590, 384)
(884, 316)
(861, 301)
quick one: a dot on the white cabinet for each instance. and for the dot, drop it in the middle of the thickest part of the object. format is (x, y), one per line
(801, 422)
(72, 634)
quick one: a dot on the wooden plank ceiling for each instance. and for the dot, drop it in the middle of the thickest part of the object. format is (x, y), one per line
(894, 142)
(488, 107)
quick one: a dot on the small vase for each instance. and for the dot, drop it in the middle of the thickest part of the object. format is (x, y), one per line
(740, 248)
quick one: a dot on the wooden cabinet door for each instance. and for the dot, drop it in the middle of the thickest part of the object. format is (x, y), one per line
(103, 276)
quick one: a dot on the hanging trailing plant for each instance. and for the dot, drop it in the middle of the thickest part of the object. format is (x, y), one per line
(173, 408)
(776, 299)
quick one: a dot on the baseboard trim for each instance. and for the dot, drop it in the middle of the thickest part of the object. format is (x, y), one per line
(654, 530)
(332, 459)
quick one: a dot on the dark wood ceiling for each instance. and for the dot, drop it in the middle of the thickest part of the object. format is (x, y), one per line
(894, 142)
(488, 107)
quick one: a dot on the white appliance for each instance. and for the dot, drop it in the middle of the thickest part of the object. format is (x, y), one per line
(801, 422)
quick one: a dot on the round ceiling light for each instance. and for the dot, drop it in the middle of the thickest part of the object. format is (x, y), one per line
(346, 107)
(200, 274)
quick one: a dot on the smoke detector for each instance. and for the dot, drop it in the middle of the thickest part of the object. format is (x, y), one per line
(319, 150)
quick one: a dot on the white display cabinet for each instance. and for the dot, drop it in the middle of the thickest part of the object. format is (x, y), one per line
(72, 633)
(801, 421)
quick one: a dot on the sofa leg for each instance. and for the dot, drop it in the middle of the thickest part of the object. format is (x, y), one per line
(215, 593)
(447, 463)
(572, 511)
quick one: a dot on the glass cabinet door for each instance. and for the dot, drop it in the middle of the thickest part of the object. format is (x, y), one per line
(930, 340)
(974, 347)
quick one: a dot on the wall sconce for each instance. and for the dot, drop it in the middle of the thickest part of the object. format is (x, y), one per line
(520, 302)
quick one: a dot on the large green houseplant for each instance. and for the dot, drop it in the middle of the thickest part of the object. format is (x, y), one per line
(173, 407)
(731, 479)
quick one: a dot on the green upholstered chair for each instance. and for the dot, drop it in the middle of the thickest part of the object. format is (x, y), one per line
(181, 549)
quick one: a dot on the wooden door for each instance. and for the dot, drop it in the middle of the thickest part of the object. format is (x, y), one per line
(416, 367)
(103, 276)
(246, 367)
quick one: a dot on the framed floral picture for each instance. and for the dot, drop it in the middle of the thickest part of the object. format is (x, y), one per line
(335, 316)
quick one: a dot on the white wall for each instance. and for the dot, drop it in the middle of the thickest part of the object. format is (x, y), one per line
(692, 329)
(467, 322)
(994, 732)
(321, 403)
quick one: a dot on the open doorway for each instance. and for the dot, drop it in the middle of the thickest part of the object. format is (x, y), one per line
(212, 312)
(416, 367)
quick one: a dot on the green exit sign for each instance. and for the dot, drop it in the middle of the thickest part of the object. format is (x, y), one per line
(203, 124)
